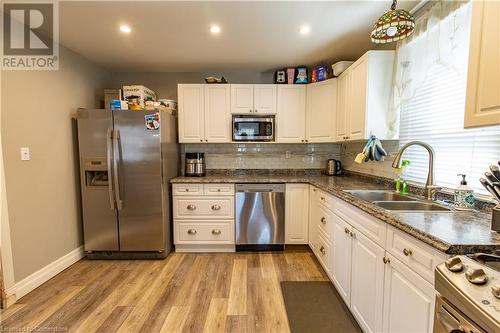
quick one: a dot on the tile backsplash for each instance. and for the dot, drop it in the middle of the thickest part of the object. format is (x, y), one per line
(264, 155)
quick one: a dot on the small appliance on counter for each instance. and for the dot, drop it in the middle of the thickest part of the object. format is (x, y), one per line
(195, 165)
(333, 168)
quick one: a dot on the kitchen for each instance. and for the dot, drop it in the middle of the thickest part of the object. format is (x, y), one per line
(308, 187)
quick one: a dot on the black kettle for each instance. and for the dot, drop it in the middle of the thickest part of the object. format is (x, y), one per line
(333, 168)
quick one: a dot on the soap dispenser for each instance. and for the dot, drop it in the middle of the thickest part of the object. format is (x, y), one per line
(464, 195)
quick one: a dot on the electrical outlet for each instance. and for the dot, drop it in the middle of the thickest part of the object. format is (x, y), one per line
(25, 154)
(288, 154)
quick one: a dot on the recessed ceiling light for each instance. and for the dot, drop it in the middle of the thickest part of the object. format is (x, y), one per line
(304, 29)
(125, 28)
(215, 29)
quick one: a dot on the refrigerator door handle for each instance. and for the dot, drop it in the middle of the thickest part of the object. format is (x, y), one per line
(109, 148)
(116, 137)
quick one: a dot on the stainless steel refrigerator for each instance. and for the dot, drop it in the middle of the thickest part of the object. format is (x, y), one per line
(126, 161)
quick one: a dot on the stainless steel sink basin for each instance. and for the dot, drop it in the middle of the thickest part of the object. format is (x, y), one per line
(379, 195)
(410, 206)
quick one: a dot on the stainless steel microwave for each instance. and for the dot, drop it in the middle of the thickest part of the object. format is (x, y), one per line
(253, 128)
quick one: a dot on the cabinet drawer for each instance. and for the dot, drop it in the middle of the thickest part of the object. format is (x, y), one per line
(219, 189)
(323, 251)
(325, 221)
(204, 207)
(207, 233)
(187, 189)
(370, 226)
(326, 199)
(421, 258)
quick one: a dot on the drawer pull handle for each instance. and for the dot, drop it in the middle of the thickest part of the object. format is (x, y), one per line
(386, 260)
(187, 190)
(192, 231)
(322, 250)
(216, 232)
(323, 198)
(407, 252)
(191, 207)
(218, 190)
(323, 220)
(215, 207)
(352, 234)
(346, 230)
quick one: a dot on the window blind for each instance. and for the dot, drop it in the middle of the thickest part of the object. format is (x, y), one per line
(435, 114)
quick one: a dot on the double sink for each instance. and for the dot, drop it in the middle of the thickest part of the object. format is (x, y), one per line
(395, 201)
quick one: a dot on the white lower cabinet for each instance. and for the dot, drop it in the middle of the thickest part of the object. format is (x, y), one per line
(297, 214)
(408, 299)
(367, 282)
(382, 274)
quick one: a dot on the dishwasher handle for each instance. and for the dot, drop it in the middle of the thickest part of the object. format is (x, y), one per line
(259, 188)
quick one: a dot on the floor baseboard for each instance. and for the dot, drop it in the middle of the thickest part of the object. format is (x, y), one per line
(41, 276)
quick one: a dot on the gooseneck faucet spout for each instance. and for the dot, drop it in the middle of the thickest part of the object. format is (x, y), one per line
(429, 184)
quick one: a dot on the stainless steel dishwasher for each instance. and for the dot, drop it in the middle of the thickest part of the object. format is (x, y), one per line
(260, 217)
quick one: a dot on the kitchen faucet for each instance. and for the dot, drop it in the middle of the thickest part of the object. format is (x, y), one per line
(430, 188)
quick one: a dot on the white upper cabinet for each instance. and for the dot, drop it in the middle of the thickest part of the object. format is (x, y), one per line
(191, 113)
(320, 112)
(204, 113)
(297, 214)
(364, 99)
(291, 115)
(241, 98)
(264, 98)
(253, 98)
(483, 85)
(217, 113)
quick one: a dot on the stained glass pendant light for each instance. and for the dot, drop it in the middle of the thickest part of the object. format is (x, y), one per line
(394, 25)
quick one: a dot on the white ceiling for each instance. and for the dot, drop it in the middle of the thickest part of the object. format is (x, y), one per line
(260, 36)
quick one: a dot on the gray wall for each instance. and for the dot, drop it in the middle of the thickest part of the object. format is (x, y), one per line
(165, 84)
(43, 193)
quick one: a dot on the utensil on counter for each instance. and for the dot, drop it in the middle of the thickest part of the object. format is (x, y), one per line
(495, 170)
(490, 189)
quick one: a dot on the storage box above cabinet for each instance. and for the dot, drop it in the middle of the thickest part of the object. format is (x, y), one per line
(253, 99)
(364, 99)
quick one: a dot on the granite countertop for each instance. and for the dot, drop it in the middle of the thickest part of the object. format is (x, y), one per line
(455, 232)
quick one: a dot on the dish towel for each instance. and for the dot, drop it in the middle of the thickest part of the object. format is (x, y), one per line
(373, 151)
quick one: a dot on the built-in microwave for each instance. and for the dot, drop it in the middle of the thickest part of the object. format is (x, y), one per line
(253, 128)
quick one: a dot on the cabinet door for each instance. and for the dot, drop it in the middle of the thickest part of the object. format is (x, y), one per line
(367, 282)
(320, 111)
(291, 117)
(342, 107)
(313, 217)
(341, 272)
(408, 300)
(264, 98)
(217, 113)
(357, 100)
(241, 98)
(191, 112)
(483, 85)
(296, 214)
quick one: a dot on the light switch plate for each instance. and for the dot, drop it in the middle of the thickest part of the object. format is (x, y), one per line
(25, 154)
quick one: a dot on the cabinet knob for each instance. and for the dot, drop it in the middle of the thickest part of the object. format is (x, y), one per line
(191, 207)
(215, 207)
(206, 140)
(187, 190)
(346, 230)
(386, 260)
(323, 220)
(216, 232)
(307, 140)
(218, 190)
(322, 249)
(323, 198)
(407, 252)
(192, 232)
(352, 234)
(250, 110)
(201, 140)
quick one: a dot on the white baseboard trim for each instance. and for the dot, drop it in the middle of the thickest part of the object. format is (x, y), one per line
(41, 276)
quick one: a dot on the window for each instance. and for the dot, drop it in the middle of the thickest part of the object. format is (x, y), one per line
(430, 91)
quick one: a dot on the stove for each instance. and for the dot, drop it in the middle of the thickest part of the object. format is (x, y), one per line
(468, 297)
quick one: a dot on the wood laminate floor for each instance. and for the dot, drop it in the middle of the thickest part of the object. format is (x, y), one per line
(233, 292)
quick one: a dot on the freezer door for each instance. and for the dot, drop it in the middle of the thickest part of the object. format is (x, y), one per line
(100, 226)
(138, 182)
